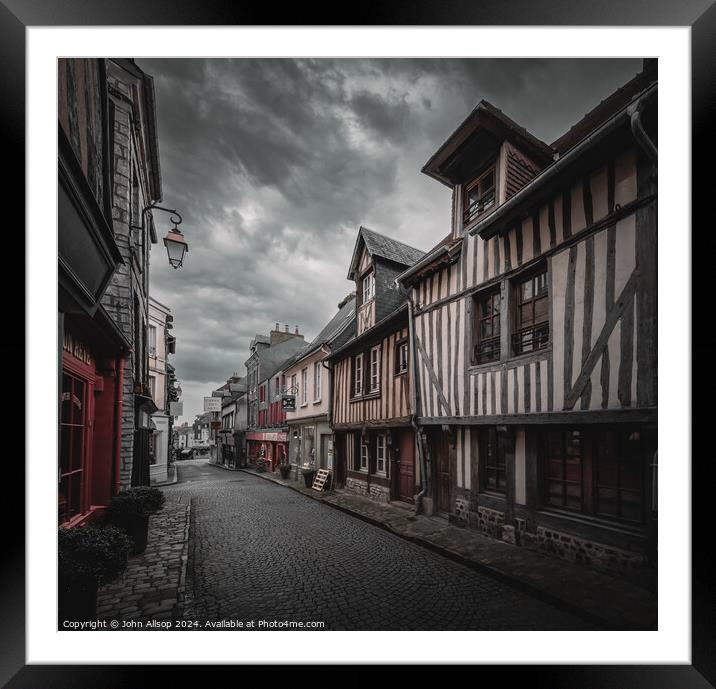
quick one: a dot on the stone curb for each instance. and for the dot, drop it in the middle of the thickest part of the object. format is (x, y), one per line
(181, 585)
(611, 622)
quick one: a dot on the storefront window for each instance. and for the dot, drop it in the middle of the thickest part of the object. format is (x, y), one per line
(72, 446)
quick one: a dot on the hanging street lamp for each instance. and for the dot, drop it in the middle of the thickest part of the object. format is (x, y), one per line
(174, 241)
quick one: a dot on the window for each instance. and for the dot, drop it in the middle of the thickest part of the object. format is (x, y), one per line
(294, 384)
(152, 340)
(277, 387)
(401, 357)
(493, 476)
(153, 387)
(72, 447)
(479, 196)
(375, 369)
(368, 287)
(380, 455)
(487, 347)
(304, 386)
(531, 314)
(358, 375)
(564, 469)
(317, 366)
(364, 457)
(595, 471)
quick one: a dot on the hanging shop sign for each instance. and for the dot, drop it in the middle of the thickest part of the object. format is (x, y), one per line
(288, 402)
(212, 404)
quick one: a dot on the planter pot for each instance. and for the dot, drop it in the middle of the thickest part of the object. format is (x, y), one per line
(285, 470)
(308, 477)
(137, 528)
(77, 599)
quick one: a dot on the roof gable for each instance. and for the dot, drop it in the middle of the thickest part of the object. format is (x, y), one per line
(377, 244)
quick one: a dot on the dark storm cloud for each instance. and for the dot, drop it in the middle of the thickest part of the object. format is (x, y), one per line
(275, 163)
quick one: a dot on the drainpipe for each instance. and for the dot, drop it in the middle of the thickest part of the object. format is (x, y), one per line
(414, 407)
(118, 408)
(637, 129)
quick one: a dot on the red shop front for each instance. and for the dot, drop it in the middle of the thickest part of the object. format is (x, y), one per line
(90, 418)
(269, 445)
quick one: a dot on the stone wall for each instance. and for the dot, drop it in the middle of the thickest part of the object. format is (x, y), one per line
(374, 491)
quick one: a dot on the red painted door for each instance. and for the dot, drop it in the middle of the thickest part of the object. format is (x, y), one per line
(406, 465)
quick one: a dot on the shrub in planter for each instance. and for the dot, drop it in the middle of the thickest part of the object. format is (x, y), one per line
(309, 473)
(130, 510)
(285, 470)
(261, 465)
(88, 557)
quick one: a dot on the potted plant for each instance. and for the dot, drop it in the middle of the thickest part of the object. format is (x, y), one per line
(88, 557)
(309, 473)
(261, 464)
(285, 469)
(130, 510)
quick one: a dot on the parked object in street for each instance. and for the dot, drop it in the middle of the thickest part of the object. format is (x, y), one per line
(88, 557)
(285, 470)
(130, 510)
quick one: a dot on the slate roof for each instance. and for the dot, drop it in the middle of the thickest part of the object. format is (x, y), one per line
(334, 332)
(273, 359)
(386, 247)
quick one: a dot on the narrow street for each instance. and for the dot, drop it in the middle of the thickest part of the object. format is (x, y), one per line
(259, 551)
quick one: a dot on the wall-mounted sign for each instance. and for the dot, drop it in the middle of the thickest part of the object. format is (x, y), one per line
(216, 425)
(288, 402)
(77, 348)
(176, 408)
(212, 404)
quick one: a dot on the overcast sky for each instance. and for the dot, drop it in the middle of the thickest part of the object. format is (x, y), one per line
(275, 163)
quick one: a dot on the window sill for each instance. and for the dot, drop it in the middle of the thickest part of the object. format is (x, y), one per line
(629, 528)
(318, 401)
(400, 373)
(367, 396)
(515, 360)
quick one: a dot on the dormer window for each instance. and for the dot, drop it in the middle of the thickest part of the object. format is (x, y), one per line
(480, 196)
(368, 287)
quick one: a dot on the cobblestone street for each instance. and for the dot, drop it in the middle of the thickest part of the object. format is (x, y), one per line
(259, 551)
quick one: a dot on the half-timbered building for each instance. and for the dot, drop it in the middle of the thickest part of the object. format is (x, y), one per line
(535, 333)
(371, 412)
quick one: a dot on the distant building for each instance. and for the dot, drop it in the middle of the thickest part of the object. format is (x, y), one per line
(308, 389)
(231, 438)
(161, 343)
(267, 433)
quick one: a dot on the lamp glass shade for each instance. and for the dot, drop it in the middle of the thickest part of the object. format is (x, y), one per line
(176, 247)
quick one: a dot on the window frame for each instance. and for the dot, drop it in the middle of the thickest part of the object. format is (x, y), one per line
(317, 381)
(384, 459)
(591, 439)
(368, 280)
(304, 386)
(357, 377)
(467, 217)
(377, 350)
(478, 318)
(401, 345)
(484, 467)
(517, 330)
(152, 340)
(361, 466)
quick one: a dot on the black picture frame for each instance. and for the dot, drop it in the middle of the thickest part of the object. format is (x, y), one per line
(700, 15)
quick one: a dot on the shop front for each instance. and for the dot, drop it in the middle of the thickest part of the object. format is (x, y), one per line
(271, 446)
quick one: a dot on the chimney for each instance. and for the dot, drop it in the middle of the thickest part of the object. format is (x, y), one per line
(296, 330)
(276, 325)
(286, 327)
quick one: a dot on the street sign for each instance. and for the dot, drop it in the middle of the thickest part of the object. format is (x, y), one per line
(288, 402)
(212, 404)
(176, 408)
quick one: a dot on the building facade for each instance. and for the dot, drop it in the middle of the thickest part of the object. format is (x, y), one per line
(161, 343)
(308, 387)
(371, 400)
(535, 334)
(136, 184)
(267, 432)
(231, 438)
(92, 349)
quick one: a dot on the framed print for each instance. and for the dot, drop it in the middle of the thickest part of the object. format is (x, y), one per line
(461, 443)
